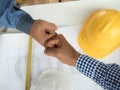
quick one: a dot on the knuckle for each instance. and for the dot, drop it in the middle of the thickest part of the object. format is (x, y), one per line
(53, 25)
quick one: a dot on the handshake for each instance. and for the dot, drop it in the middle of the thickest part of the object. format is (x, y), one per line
(55, 44)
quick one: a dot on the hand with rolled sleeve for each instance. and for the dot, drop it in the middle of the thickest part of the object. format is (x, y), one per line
(106, 75)
(13, 17)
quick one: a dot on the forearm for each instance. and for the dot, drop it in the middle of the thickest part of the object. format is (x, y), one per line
(12, 17)
(106, 75)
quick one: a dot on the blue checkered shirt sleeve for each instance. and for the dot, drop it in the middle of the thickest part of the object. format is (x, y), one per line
(106, 75)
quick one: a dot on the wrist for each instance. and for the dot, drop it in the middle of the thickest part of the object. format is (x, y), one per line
(76, 55)
(34, 27)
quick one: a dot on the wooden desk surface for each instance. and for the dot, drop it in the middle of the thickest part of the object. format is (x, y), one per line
(32, 2)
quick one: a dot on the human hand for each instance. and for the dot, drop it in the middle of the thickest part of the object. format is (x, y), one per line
(42, 31)
(59, 47)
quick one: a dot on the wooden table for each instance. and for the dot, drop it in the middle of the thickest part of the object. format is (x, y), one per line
(32, 2)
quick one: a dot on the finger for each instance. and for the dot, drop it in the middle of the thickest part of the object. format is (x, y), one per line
(52, 27)
(53, 42)
(51, 52)
(49, 35)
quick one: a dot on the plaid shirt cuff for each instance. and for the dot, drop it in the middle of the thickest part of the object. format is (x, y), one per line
(86, 65)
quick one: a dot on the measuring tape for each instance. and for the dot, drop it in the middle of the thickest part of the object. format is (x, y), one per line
(17, 4)
(28, 70)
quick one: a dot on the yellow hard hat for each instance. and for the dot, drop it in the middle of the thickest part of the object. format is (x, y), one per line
(100, 34)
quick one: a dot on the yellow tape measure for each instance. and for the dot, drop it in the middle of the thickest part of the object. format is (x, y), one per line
(28, 70)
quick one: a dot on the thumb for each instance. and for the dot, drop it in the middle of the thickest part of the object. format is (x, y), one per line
(51, 52)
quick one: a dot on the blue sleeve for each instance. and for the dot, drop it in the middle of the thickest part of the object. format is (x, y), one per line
(12, 17)
(106, 75)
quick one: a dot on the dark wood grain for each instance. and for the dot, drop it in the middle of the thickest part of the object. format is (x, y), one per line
(34, 2)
